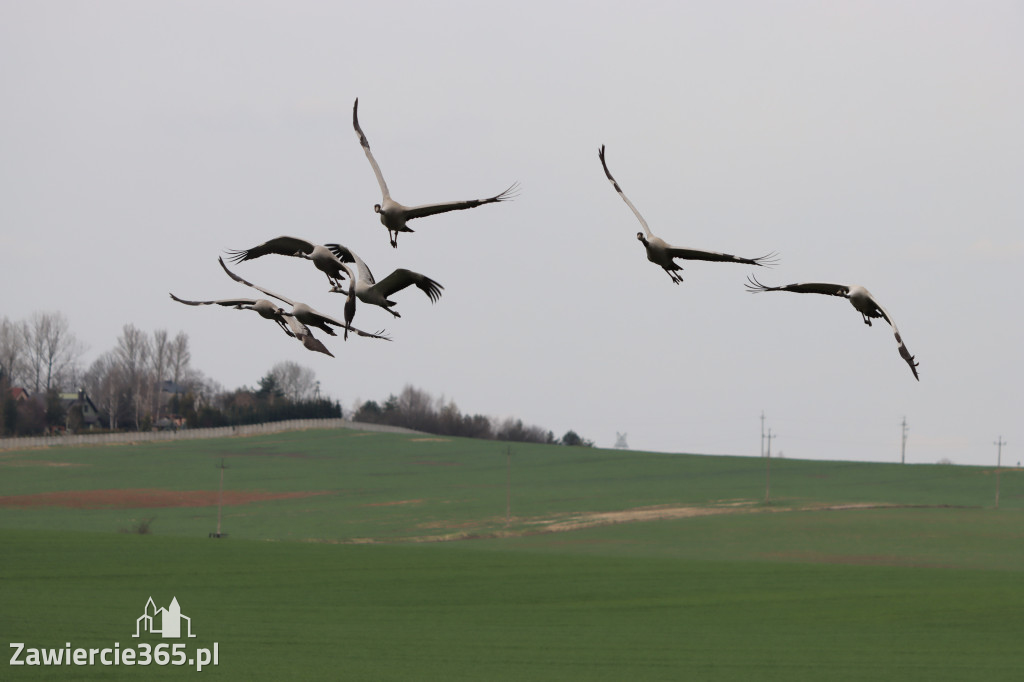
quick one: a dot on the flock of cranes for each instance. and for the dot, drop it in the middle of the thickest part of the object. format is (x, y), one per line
(340, 263)
(334, 260)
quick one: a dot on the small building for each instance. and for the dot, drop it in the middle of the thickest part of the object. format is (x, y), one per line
(90, 415)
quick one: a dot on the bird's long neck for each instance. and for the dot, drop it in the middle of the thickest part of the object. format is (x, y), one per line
(350, 309)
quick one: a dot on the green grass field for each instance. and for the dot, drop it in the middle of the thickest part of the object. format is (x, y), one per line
(614, 564)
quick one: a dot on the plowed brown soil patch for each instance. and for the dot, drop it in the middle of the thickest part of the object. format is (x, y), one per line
(145, 498)
(38, 463)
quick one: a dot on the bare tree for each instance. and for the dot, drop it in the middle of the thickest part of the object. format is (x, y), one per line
(204, 389)
(515, 430)
(416, 407)
(12, 351)
(107, 387)
(33, 335)
(297, 382)
(51, 350)
(179, 358)
(132, 353)
(159, 360)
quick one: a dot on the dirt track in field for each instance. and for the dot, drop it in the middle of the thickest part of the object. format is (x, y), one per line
(562, 523)
(145, 498)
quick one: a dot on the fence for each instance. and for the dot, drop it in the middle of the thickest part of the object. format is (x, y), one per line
(191, 434)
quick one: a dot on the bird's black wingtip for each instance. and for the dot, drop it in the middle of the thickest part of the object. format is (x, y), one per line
(235, 256)
(768, 260)
(511, 192)
(753, 285)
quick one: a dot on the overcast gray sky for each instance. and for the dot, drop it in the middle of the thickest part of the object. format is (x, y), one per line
(872, 143)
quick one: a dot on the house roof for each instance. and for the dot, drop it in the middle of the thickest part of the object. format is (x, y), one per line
(71, 399)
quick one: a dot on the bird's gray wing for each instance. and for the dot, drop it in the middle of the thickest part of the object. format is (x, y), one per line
(347, 255)
(401, 278)
(304, 335)
(285, 246)
(382, 334)
(433, 209)
(698, 254)
(297, 328)
(366, 148)
(622, 194)
(247, 283)
(904, 352)
(327, 319)
(315, 344)
(754, 286)
(235, 302)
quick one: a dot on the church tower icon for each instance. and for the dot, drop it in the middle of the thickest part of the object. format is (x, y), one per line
(165, 622)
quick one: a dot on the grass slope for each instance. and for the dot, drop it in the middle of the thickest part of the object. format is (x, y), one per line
(451, 612)
(391, 486)
(805, 588)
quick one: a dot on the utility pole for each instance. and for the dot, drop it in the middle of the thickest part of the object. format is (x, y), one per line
(768, 469)
(762, 433)
(903, 447)
(999, 461)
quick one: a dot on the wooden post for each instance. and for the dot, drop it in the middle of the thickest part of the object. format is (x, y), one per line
(768, 470)
(508, 485)
(220, 495)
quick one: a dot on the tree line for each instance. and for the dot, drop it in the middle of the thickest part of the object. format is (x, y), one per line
(416, 409)
(147, 381)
